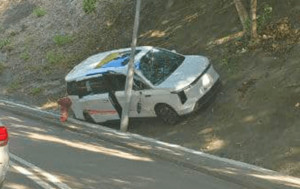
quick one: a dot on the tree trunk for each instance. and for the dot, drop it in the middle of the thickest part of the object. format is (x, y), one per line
(254, 34)
(243, 15)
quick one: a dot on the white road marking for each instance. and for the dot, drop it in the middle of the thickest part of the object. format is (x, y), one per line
(51, 178)
(31, 176)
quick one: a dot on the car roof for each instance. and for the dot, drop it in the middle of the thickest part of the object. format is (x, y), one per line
(102, 63)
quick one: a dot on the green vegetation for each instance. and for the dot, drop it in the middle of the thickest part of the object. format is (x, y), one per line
(89, 6)
(4, 42)
(59, 59)
(13, 86)
(39, 12)
(54, 58)
(265, 17)
(248, 25)
(25, 56)
(32, 68)
(2, 67)
(229, 65)
(36, 91)
(12, 33)
(262, 19)
(62, 39)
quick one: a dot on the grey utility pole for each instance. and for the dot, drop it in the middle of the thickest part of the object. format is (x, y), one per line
(130, 72)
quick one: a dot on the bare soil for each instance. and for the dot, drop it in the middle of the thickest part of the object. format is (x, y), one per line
(254, 117)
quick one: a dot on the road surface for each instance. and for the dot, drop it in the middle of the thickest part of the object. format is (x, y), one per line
(46, 156)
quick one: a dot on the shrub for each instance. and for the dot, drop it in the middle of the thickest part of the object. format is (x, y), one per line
(265, 17)
(13, 86)
(36, 91)
(62, 39)
(2, 67)
(4, 42)
(54, 58)
(89, 6)
(39, 12)
(25, 56)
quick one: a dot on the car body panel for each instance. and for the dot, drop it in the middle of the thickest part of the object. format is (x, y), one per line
(148, 99)
(186, 73)
(196, 91)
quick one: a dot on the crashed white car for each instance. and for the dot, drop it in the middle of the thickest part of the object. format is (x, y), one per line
(166, 84)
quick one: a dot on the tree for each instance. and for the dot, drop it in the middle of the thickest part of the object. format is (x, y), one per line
(245, 21)
(254, 34)
(243, 15)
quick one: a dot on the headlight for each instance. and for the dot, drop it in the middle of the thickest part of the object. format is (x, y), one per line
(206, 80)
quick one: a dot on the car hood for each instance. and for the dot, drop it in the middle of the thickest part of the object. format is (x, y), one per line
(186, 73)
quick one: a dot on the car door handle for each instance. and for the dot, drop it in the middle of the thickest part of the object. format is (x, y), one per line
(147, 95)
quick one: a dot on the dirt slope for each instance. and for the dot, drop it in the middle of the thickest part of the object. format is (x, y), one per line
(255, 116)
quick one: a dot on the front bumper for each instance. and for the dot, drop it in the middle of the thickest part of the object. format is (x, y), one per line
(208, 95)
(201, 91)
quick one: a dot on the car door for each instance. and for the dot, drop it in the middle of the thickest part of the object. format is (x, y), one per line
(98, 106)
(143, 100)
(137, 106)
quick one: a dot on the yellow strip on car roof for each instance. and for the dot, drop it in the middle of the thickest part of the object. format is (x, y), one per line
(107, 59)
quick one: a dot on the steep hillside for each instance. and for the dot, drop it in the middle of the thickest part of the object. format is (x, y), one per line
(43, 40)
(255, 116)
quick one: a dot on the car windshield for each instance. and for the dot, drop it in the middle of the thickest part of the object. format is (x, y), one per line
(158, 64)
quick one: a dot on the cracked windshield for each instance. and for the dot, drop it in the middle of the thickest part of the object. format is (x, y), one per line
(149, 94)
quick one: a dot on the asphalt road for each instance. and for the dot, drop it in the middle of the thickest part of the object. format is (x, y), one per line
(47, 156)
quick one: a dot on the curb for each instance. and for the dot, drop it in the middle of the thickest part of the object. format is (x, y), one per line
(247, 175)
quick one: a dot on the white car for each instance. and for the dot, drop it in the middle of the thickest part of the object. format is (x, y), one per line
(166, 84)
(4, 157)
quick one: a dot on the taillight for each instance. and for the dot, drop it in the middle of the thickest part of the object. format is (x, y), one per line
(3, 136)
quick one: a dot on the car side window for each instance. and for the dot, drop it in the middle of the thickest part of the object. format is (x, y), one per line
(139, 85)
(87, 87)
(116, 82)
(96, 86)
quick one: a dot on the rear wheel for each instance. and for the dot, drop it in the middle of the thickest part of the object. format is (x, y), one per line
(166, 113)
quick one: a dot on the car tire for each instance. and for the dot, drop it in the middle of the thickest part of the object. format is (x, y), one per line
(166, 113)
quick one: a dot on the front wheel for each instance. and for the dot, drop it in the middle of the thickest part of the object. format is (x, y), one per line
(166, 113)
